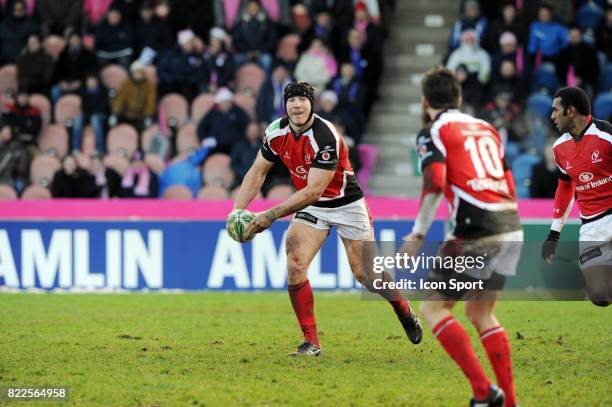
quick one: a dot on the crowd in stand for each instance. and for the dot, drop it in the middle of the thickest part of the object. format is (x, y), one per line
(147, 98)
(511, 57)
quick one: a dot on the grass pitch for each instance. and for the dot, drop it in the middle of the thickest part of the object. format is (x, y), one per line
(230, 350)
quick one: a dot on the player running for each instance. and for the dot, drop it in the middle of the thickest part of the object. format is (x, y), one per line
(583, 155)
(328, 194)
(462, 158)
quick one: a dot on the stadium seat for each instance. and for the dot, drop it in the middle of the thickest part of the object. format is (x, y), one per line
(605, 81)
(187, 139)
(42, 169)
(287, 50)
(546, 79)
(54, 45)
(155, 163)
(44, 105)
(36, 193)
(53, 141)
(217, 171)
(147, 135)
(174, 108)
(67, 108)
(280, 192)
(589, 15)
(151, 73)
(201, 105)
(522, 169)
(539, 104)
(7, 193)
(235, 191)
(112, 76)
(602, 106)
(247, 103)
(249, 77)
(88, 142)
(212, 193)
(122, 140)
(178, 193)
(117, 163)
(8, 79)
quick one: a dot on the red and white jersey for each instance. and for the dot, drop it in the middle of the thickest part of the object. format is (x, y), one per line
(321, 146)
(586, 161)
(476, 187)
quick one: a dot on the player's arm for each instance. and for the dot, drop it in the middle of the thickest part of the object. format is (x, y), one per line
(564, 200)
(252, 182)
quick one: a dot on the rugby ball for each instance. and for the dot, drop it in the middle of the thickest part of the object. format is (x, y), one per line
(236, 223)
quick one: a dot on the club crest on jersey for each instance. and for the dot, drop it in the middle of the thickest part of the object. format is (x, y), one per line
(595, 157)
(585, 176)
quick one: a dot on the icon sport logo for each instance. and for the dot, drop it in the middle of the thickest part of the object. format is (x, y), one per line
(585, 176)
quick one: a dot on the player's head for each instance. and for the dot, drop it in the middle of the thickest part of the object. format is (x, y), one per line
(299, 102)
(568, 104)
(440, 89)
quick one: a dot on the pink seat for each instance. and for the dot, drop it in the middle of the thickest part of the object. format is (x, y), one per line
(44, 105)
(217, 171)
(88, 142)
(42, 170)
(151, 73)
(280, 192)
(212, 193)
(113, 75)
(175, 109)
(7, 193)
(67, 108)
(53, 141)
(178, 192)
(155, 163)
(247, 103)
(201, 105)
(8, 79)
(36, 193)
(249, 77)
(187, 139)
(122, 140)
(117, 163)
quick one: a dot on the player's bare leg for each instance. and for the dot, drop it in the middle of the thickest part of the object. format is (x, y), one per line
(360, 255)
(302, 244)
(437, 311)
(598, 281)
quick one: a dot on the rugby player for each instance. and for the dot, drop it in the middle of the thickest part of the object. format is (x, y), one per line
(328, 194)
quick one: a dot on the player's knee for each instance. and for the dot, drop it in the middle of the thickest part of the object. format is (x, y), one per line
(478, 315)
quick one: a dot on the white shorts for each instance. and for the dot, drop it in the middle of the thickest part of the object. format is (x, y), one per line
(352, 220)
(596, 243)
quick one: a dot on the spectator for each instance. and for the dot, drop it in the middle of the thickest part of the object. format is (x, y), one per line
(136, 100)
(505, 115)
(473, 57)
(114, 40)
(472, 91)
(546, 37)
(324, 28)
(511, 21)
(35, 67)
(181, 69)
(354, 53)
(108, 181)
(73, 64)
(316, 66)
(470, 20)
(508, 51)
(544, 176)
(94, 111)
(128, 8)
(329, 110)
(509, 81)
(227, 12)
(225, 122)
(342, 12)
(604, 34)
(14, 160)
(218, 62)
(302, 26)
(254, 37)
(74, 179)
(24, 119)
(187, 172)
(270, 100)
(577, 64)
(244, 152)
(14, 33)
(139, 181)
(349, 92)
(151, 32)
(59, 17)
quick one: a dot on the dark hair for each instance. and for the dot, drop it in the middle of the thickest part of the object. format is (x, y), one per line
(547, 7)
(441, 88)
(576, 97)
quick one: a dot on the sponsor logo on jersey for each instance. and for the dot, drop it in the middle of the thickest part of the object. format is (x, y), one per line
(595, 158)
(325, 156)
(586, 176)
(592, 184)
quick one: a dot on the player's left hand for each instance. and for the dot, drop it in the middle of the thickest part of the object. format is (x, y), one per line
(261, 222)
(412, 244)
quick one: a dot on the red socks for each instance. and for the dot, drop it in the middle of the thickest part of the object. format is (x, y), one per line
(302, 301)
(401, 308)
(496, 343)
(455, 340)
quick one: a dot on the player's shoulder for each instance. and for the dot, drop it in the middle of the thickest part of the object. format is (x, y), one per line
(324, 131)
(559, 142)
(277, 128)
(455, 116)
(601, 129)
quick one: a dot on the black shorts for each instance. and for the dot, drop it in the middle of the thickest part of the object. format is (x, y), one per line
(450, 278)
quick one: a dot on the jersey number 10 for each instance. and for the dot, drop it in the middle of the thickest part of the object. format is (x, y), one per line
(485, 156)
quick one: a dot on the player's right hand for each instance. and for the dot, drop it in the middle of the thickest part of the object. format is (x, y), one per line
(412, 244)
(550, 246)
